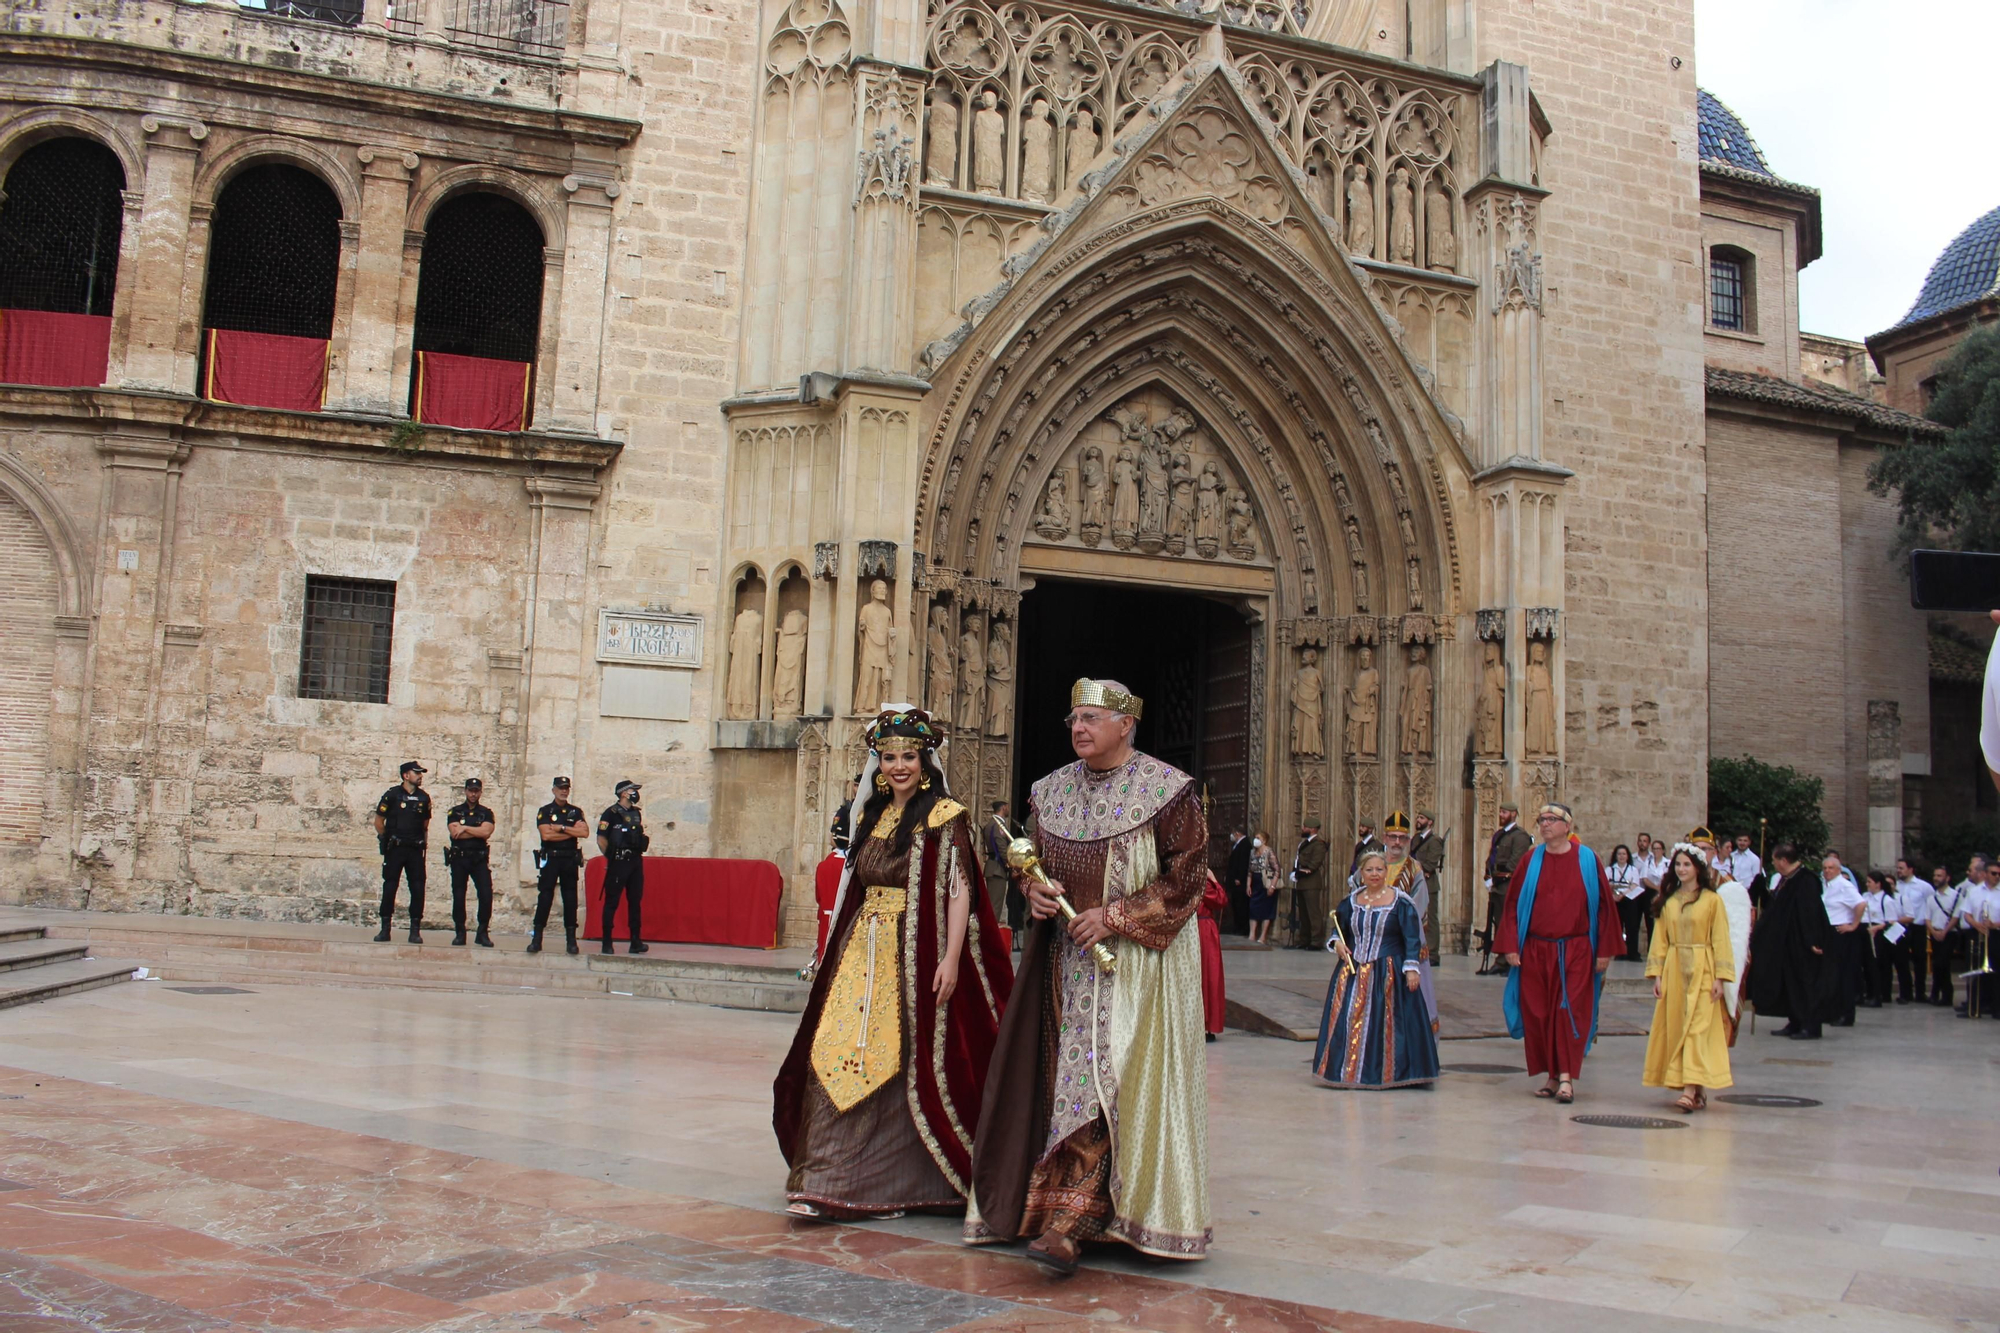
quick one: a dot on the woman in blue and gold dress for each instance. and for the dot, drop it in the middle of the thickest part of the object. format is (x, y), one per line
(1376, 1032)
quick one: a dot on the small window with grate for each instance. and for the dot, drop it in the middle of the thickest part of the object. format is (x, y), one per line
(346, 13)
(274, 253)
(344, 652)
(60, 221)
(1729, 290)
(479, 292)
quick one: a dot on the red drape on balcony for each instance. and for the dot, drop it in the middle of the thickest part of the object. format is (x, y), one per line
(474, 392)
(43, 347)
(266, 370)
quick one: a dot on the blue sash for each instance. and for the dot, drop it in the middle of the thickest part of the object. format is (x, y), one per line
(1510, 1000)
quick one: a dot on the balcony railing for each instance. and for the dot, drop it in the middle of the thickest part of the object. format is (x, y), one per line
(538, 29)
(345, 13)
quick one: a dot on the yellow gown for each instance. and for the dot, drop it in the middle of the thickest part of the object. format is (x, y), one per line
(1689, 1042)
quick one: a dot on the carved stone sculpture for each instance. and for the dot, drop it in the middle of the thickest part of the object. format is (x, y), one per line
(1154, 465)
(1418, 701)
(1000, 680)
(989, 157)
(1208, 513)
(1440, 242)
(971, 678)
(1241, 518)
(1090, 495)
(938, 661)
(1360, 214)
(746, 662)
(1490, 720)
(1308, 707)
(1082, 148)
(1364, 708)
(1124, 499)
(941, 142)
(1402, 218)
(874, 642)
(1180, 506)
(1053, 520)
(788, 683)
(1541, 721)
(1038, 141)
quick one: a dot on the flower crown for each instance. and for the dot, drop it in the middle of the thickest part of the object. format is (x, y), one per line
(905, 724)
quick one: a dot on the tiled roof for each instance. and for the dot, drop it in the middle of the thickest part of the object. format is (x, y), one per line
(1955, 657)
(1967, 271)
(1726, 140)
(1816, 398)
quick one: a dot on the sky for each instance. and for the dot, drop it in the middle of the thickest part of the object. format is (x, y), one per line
(1887, 109)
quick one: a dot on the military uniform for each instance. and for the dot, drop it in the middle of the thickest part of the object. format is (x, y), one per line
(468, 859)
(561, 857)
(1309, 892)
(1427, 850)
(406, 822)
(624, 832)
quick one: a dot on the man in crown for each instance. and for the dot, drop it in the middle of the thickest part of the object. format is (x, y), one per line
(1094, 1121)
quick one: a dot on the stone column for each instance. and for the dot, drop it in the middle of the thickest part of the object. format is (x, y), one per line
(1885, 782)
(129, 234)
(376, 285)
(160, 295)
(560, 512)
(580, 318)
(882, 292)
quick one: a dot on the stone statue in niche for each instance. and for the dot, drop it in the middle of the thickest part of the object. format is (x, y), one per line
(1000, 680)
(1180, 507)
(788, 683)
(1402, 218)
(1308, 707)
(1440, 244)
(1490, 720)
(1356, 551)
(1082, 148)
(1038, 154)
(1413, 582)
(971, 678)
(1208, 513)
(1364, 708)
(1360, 214)
(941, 154)
(1154, 465)
(938, 662)
(1124, 499)
(1541, 738)
(1418, 700)
(1241, 517)
(989, 158)
(1090, 495)
(1406, 528)
(1053, 520)
(746, 662)
(874, 644)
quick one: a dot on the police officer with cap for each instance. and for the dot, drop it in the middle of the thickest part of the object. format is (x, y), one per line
(563, 828)
(470, 826)
(621, 836)
(402, 826)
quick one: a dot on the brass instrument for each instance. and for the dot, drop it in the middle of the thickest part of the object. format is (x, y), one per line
(1021, 856)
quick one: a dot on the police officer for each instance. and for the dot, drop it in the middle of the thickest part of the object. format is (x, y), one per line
(402, 825)
(621, 836)
(563, 828)
(470, 826)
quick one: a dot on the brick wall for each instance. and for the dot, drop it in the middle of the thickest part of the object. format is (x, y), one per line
(27, 659)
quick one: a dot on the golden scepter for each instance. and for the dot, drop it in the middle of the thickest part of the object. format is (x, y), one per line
(1021, 856)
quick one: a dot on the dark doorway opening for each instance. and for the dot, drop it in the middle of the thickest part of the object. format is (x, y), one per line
(1187, 656)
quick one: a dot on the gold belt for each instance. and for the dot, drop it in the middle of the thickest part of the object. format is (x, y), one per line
(859, 1045)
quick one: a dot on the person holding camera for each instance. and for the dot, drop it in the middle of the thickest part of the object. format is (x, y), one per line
(469, 830)
(621, 836)
(563, 828)
(402, 826)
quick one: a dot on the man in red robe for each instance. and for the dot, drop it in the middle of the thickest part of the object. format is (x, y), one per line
(1559, 931)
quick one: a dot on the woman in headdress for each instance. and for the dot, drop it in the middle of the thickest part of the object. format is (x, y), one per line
(1376, 1030)
(878, 1100)
(1690, 962)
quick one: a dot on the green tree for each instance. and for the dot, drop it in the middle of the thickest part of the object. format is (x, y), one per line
(1948, 491)
(1743, 791)
(1952, 845)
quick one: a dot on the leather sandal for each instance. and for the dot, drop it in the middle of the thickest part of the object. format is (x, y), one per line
(1565, 1092)
(1688, 1103)
(1062, 1265)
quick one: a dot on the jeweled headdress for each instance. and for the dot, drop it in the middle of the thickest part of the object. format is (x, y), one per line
(907, 723)
(1096, 694)
(1397, 822)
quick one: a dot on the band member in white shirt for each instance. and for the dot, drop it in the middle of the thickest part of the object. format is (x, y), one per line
(1623, 873)
(1652, 863)
(1913, 909)
(1878, 914)
(1842, 897)
(1746, 867)
(1945, 924)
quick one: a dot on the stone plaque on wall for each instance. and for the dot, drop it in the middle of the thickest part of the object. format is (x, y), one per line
(651, 638)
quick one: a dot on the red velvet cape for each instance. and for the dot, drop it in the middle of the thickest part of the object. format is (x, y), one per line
(948, 1060)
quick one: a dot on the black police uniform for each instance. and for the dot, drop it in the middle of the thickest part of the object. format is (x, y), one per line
(625, 841)
(406, 822)
(560, 860)
(468, 859)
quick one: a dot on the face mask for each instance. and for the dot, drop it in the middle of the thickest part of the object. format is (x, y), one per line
(1256, 842)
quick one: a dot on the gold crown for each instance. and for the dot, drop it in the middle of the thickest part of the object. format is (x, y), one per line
(1094, 694)
(1397, 822)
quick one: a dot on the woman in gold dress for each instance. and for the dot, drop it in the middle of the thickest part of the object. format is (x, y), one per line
(879, 1097)
(1690, 960)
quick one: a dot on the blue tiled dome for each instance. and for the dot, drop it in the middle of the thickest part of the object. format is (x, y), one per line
(1725, 140)
(1968, 270)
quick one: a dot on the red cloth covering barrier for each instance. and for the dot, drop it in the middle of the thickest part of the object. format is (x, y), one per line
(826, 887)
(63, 351)
(473, 392)
(695, 900)
(266, 370)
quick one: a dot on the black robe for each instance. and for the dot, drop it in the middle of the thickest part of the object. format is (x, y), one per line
(1787, 979)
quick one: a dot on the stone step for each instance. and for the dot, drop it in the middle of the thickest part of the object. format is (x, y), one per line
(36, 951)
(10, 934)
(29, 985)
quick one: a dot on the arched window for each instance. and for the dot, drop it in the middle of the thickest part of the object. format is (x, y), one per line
(273, 265)
(479, 314)
(60, 225)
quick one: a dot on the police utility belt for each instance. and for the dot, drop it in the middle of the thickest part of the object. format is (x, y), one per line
(560, 855)
(465, 851)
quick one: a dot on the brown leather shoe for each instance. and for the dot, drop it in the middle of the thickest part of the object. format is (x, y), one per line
(1055, 1252)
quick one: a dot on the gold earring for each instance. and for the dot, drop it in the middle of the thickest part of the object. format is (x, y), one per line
(926, 783)
(881, 782)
